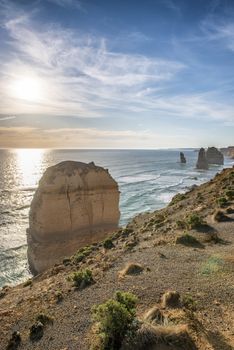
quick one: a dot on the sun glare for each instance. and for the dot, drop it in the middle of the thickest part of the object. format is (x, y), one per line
(27, 88)
(29, 165)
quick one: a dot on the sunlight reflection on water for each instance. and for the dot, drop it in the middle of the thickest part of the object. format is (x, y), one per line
(28, 165)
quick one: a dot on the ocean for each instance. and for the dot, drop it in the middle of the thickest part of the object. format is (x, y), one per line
(147, 179)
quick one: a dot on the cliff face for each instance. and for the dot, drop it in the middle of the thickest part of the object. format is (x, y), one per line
(214, 156)
(229, 151)
(75, 204)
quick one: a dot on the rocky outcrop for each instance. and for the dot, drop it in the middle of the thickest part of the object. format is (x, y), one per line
(228, 151)
(214, 156)
(76, 204)
(182, 158)
(202, 161)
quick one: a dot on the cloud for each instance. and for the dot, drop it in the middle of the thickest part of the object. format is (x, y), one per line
(20, 137)
(218, 30)
(67, 3)
(171, 5)
(7, 118)
(81, 75)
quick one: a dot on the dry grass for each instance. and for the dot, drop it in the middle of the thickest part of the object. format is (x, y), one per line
(160, 337)
(131, 269)
(154, 315)
(171, 299)
(219, 216)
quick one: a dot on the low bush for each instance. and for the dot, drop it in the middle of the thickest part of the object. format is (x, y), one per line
(81, 254)
(194, 221)
(222, 202)
(131, 269)
(220, 216)
(58, 296)
(181, 224)
(188, 240)
(114, 319)
(108, 243)
(81, 279)
(44, 319)
(66, 261)
(36, 331)
(189, 302)
(15, 341)
(177, 198)
(230, 194)
(27, 283)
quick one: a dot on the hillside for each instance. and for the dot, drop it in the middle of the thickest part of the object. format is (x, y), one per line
(186, 247)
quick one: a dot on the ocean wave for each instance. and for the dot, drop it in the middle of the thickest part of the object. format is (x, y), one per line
(23, 207)
(15, 249)
(126, 180)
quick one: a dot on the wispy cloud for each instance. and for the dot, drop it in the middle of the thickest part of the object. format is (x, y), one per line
(67, 3)
(86, 138)
(83, 77)
(7, 118)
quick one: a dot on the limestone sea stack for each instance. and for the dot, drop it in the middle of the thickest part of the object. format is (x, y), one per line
(182, 158)
(76, 204)
(228, 151)
(214, 156)
(202, 161)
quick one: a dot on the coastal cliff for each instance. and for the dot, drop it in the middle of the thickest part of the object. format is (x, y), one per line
(185, 250)
(76, 204)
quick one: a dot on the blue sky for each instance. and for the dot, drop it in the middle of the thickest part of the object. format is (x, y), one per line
(116, 74)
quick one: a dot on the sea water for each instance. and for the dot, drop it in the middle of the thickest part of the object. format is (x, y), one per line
(147, 179)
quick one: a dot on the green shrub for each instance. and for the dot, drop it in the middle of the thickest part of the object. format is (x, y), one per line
(222, 202)
(187, 240)
(81, 279)
(44, 319)
(213, 265)
(189, 302)
(36, 331)
(114, 319)
(194, 221)
(181, 224)
(177, 198)
(14, 341)
(108, 244)
(81, 254)
(27, 283)
(127, 231)
(66, 261)
(230, 194)
(59, 296)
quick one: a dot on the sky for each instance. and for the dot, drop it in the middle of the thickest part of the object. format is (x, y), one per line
(116, 74)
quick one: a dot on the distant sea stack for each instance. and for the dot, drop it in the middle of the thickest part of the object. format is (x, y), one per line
(214, 156)
(202, 161)
(228, 151)
(76, 204)
(182, 158)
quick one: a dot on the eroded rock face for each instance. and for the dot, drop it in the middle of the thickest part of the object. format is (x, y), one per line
(182, 158)
(202, 161)
(228, 151)
(214, 156)
(76, 204)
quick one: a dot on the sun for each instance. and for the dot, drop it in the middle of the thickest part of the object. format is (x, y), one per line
(27, 88)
